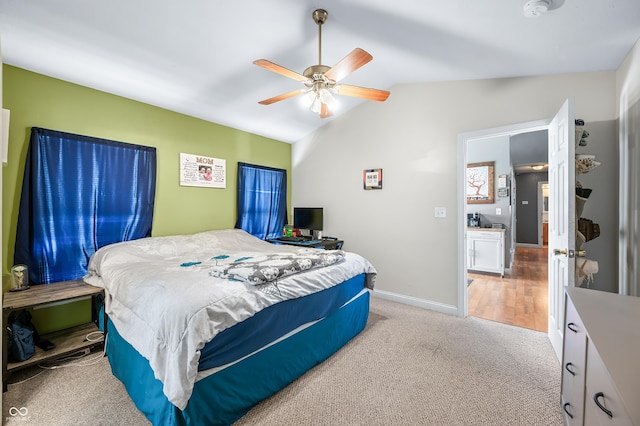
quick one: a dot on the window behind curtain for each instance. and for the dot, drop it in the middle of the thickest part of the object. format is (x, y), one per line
(79, 194)
(262, 200)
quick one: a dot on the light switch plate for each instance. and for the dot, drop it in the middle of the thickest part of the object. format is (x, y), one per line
(440, 212)
(498, 211)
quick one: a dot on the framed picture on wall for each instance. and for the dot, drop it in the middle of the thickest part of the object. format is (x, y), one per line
(372, 179)
(480, 187)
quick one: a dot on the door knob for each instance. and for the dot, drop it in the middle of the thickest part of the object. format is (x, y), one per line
(581, 253)
(558, 251)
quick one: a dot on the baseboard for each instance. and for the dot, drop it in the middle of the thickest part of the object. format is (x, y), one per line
(528, 245)
(413, 301)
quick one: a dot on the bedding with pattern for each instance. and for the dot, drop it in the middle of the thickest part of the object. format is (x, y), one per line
(268, 268)
(163, 296)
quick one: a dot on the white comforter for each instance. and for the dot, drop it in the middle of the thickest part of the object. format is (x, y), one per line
(163, 301)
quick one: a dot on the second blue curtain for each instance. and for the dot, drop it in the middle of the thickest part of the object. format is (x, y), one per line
(262, 200)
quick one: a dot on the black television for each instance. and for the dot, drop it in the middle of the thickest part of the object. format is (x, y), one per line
(310, 218)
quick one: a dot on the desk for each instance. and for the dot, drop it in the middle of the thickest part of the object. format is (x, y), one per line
(325, 243)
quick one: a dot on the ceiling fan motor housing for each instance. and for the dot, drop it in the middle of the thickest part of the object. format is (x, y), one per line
(315, 70)
(317, 79)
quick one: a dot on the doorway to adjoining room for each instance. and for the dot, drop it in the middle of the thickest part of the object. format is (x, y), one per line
(520, 297)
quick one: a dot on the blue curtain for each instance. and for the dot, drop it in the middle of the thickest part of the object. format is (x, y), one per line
(80, 193)
(262, 200)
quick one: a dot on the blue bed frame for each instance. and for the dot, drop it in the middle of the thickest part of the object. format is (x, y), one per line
(225, 396)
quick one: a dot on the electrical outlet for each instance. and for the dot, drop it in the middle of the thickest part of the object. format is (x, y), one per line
(498, 211)
(440, 212)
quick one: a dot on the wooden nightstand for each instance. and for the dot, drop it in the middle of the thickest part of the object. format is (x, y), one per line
(67, 341)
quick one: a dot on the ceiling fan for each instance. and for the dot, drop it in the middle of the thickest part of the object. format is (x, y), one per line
(321, 81)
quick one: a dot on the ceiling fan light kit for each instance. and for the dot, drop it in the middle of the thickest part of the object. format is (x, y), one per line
(321, 81)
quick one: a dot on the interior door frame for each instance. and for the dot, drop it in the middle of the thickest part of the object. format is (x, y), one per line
(541, 211)
(463, 139)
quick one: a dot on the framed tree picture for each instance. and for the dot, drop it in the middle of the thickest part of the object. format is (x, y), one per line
(480, 187)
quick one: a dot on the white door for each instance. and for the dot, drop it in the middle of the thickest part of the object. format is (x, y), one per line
(562, 221)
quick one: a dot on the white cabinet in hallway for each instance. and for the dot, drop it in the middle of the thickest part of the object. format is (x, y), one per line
(485, 250)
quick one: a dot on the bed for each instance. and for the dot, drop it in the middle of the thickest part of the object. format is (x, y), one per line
(202, 327)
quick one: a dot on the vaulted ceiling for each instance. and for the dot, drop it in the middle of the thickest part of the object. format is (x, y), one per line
(195, 56)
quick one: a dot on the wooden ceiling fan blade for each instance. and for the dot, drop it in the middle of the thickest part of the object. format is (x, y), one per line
(354, 60)
(363, 92)
(282, 97)
(268, 65)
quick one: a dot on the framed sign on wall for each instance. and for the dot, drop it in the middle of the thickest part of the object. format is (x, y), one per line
(206, 172)
(372, 179)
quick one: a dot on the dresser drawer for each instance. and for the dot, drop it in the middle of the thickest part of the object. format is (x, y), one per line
(573, 366)
(489, 235)
(602, 405)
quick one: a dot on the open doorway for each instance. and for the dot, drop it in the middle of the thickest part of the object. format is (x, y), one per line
(529, 206)
(519, 298)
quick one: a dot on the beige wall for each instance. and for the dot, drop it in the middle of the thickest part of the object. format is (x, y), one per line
(413, 138)
(628, 97)
(628, 80)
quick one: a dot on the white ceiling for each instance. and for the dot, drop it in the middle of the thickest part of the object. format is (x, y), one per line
(195, 56)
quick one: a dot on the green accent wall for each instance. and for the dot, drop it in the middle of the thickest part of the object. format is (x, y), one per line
(36, 100)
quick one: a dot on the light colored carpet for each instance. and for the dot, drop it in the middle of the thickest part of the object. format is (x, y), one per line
(408, 367)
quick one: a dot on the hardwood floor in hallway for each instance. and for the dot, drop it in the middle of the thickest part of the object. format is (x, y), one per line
(520, 298)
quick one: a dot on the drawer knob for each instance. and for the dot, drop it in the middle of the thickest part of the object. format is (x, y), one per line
(566, 367)
(564, 407)
(597, 396)
(572, 326)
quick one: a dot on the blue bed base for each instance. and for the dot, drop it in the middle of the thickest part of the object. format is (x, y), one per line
(225, 396)
(275, 321)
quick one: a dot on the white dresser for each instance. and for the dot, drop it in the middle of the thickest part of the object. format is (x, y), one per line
(600, 373)
(485, 250)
